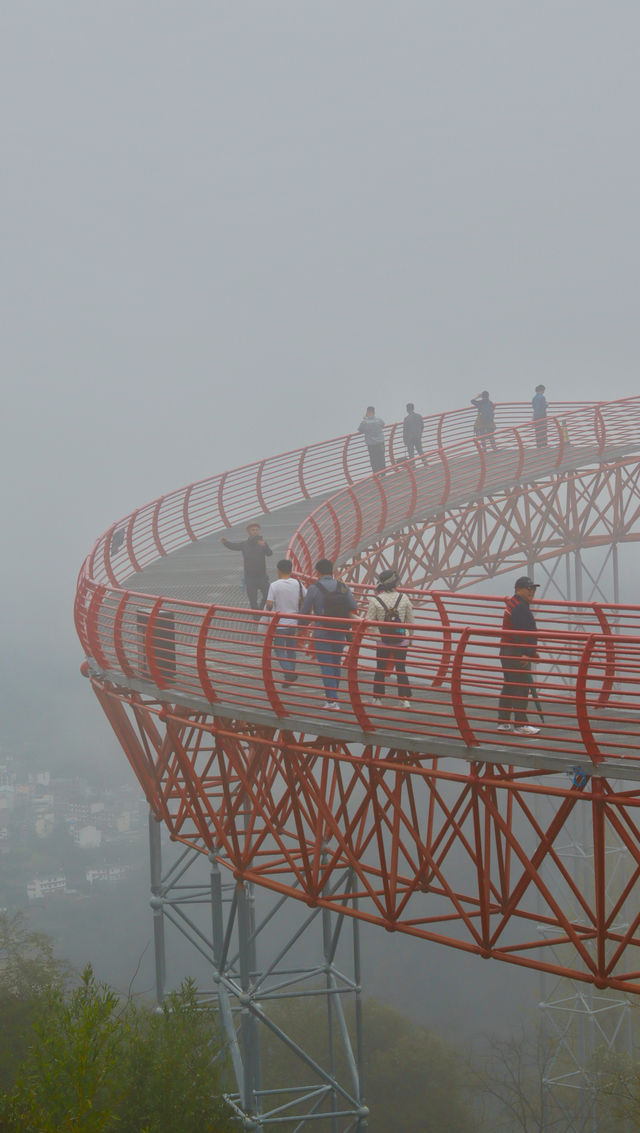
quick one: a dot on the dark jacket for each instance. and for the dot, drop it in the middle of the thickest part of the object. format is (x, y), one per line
(485, 422)
(539, 405)
(518, 617)
(412, 427)
(315, 596)
(253, 555)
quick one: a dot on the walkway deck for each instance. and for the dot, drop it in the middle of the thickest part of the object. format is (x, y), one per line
(206, 572)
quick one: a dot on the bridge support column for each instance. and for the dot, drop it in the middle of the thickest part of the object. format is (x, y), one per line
(291, 1024)
(579, 1023)
(155, 870)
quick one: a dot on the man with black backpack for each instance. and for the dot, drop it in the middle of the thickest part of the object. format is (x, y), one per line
(394, 613)
(329, 598)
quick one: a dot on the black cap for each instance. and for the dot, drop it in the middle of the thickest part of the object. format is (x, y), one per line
(526, 583)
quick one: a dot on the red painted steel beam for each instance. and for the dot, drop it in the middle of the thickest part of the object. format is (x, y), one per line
(288, 811)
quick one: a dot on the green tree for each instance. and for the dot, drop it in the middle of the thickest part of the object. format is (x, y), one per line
(98, 1064)
(173, 1069)
(413, 1083)
(622, 1077)
(70, 1080)
(28, 969)
(27, 962)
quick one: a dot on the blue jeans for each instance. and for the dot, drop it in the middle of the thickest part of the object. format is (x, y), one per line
(329, 645)
(284, 647)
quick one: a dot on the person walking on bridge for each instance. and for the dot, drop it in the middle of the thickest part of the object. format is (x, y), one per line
(372, 429)
(393, 614)
(517, 654)
(329, 598)
(254, 553)
(285, 597)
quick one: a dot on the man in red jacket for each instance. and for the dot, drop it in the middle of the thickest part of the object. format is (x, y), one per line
(517, 652)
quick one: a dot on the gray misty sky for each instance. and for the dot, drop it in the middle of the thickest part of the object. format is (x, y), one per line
(227, 227)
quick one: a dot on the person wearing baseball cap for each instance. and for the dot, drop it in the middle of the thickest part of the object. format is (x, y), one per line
(517, 653)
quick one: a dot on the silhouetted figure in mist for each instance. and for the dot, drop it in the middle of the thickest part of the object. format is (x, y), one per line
(372, 429)
(484, 425)
(412, 427)
(539, 406)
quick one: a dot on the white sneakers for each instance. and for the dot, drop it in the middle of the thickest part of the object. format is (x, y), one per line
(377, 703)
(518, 729)
(332, 705)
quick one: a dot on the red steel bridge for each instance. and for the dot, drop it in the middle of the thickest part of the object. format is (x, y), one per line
(425, 821)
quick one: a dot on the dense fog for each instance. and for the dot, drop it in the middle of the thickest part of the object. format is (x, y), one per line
(230, 228)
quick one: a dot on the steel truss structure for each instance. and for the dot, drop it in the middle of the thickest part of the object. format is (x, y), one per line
(247, 992)
(405, 828)
(537, 523)
(422, 825)
(581, 1026)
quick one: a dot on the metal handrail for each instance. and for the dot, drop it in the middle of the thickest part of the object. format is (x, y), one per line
(228, 657)
(222, 655)
(235, 496)
(465, 470)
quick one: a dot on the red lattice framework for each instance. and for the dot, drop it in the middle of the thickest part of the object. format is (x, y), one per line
(451, 837)
(283, 809)
(461, 547)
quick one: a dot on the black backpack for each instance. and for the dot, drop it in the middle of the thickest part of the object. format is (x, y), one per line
(335, 603)
(392, 619)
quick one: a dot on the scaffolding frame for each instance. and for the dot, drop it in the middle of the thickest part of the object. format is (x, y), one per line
(580, 1023)
(245, 993)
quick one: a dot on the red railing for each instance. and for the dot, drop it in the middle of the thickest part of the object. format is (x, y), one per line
(234, 497)
(462, 470)
(588, 683)
(589, 651)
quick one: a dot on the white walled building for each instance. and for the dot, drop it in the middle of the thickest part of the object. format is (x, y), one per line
(87, 837)
(45, 886)
(105, 873)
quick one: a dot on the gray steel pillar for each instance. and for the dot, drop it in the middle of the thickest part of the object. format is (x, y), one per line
(577, 560)
(220, 954)
(248, 998)
(616, 572)
(157, 904)
(251, 1098)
